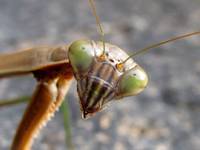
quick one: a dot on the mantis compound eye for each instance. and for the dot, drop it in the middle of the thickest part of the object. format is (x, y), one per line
(81, 56)
(132, 82)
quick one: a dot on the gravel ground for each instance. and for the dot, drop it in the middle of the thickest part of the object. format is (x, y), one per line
(164, 117)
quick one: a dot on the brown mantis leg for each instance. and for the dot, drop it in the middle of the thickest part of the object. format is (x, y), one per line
(48, 96)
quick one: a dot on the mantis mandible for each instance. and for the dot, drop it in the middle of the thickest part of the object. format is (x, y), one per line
(103, 71)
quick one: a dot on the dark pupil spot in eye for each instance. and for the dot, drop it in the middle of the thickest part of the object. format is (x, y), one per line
(134, 74)
(111, 60)
(83, 48)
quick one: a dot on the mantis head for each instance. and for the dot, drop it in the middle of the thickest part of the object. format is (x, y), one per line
(100, 79)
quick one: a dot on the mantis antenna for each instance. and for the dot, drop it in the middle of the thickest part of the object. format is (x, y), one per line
(91, 2)
(159, 44)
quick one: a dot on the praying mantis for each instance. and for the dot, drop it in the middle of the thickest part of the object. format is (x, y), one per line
(103, 72)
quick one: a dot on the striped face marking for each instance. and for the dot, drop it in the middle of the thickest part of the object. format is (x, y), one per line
(97, 88)
(98, 80)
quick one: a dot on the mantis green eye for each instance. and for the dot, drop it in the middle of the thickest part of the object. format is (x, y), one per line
(132, 82)
(81, 56)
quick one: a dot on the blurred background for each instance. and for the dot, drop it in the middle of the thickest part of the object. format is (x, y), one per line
(164, 117)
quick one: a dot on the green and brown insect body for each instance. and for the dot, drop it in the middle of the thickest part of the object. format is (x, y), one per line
(99, 80)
